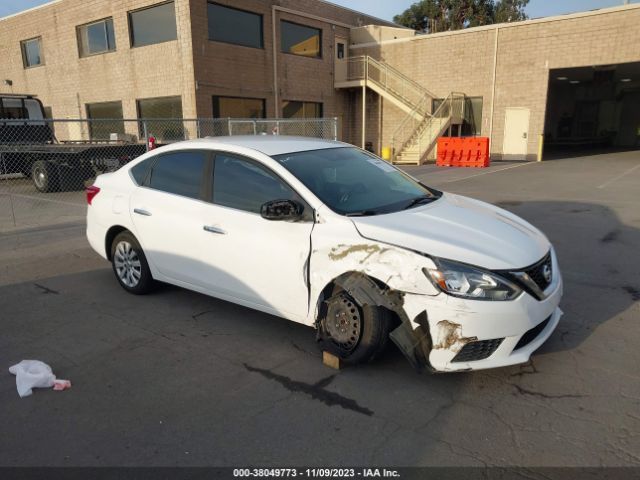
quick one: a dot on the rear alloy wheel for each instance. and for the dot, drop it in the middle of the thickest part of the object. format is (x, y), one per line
(43, 176)
(353, 332)
(130, 264)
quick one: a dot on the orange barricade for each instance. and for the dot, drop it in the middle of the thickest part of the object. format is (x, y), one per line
(463, 152)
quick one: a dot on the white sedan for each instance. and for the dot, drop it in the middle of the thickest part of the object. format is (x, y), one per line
(328, 235)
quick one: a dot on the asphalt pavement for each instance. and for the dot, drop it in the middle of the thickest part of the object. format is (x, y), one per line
(177, 378)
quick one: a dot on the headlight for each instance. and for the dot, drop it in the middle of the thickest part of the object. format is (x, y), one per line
(470, 282)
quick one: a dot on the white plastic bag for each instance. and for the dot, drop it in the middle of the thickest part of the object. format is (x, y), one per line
(32, 374)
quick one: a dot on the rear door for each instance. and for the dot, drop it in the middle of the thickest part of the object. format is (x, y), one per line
(166, 211)
(254, 260)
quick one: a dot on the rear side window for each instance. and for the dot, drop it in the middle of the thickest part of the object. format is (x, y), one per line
(139, 172)
(245, 185)
(179, 173)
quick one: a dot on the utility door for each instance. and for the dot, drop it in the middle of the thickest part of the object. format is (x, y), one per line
(516, 134)
(341, 64)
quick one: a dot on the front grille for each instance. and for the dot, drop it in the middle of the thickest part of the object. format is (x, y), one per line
(478, 350)
(537, 272)
(532, 334)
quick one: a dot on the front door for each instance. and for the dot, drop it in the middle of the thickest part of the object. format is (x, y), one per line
(254, 260)
(516, 134)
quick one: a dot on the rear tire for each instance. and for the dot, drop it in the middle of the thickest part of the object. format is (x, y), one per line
(43, 175)
(353, 332)
(130, 264)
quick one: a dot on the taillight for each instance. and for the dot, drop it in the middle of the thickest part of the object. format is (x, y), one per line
(92, 191)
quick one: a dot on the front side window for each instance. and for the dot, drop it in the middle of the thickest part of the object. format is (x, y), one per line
(179, 173)
(231, 25)
(244, 185)
(151, 25)
(356, 183)
(104, 119)
(96, 37)
(236, 107)
(291, 109)
(32, 52)
(164, 118)
(300, 39)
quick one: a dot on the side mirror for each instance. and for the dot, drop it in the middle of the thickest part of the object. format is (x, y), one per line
(282, 210)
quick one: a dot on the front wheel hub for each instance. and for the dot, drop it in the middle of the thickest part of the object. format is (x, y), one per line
(343, 322)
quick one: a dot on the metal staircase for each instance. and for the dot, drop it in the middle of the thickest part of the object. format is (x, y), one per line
(417, 134)
(413, 141)
(386, 81)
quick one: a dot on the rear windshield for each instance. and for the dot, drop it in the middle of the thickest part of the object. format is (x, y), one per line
(353, 182)
(20, 109)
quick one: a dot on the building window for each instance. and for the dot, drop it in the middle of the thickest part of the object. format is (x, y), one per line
(231, 25)
(291, 109)
(237, 107)
(105, 119)
(96, 37)
(151, 25)
(32, 52)
(164, 118)
(300, 40)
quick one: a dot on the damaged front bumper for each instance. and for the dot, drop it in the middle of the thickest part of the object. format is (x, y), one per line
(453, 334)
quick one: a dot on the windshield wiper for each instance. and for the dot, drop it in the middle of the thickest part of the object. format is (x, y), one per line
(419, 201)
(362, 213)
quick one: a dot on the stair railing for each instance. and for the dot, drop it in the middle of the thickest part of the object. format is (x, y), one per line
(394, 82)
(411, 133)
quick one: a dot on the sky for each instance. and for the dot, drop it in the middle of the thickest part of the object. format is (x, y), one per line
(388, 8)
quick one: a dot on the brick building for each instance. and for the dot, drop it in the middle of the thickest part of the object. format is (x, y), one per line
(182, 58)
(572, 80)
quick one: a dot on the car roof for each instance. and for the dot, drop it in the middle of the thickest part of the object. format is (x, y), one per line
(267, 144)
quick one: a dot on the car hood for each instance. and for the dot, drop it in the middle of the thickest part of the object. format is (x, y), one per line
(461, 229)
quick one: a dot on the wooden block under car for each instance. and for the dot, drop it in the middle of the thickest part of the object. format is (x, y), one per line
(331, 361)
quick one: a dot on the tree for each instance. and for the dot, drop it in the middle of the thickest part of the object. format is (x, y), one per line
(510, 11)
(431, 16)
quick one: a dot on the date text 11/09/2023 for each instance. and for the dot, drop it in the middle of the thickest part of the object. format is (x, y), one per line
(316, 473)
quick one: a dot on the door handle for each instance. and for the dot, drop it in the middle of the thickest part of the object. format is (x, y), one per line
(141, 211)
(210, 229)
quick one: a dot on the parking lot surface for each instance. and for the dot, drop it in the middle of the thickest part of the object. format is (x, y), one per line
(177, 378)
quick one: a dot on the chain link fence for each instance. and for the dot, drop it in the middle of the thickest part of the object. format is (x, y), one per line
(45, 165)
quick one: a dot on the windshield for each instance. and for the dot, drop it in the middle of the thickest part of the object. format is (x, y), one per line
(355, 183)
